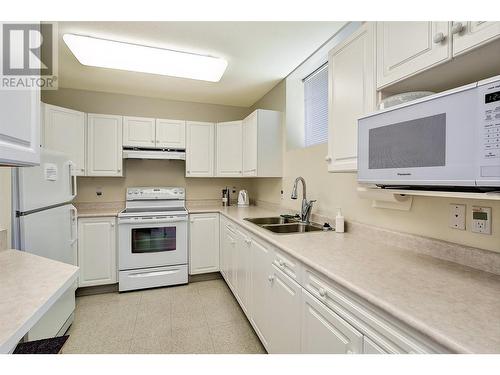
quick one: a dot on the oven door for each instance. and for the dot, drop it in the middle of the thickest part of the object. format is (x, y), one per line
(429, 142)
(152, 242)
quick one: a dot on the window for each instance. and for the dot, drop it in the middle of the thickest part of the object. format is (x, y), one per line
(316, 106)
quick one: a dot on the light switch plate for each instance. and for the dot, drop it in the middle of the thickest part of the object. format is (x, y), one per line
(457, 216)
(481, 220)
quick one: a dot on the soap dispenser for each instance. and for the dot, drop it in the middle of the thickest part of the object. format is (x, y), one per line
(339, 222)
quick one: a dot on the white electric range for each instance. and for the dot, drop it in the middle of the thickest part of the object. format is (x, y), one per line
(153, 238)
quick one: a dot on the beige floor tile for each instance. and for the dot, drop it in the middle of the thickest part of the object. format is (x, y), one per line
(192, 341)
(156, 296)
(153, 324)
(151, 345)
(186, 317)
(237, 338)
(223, 311)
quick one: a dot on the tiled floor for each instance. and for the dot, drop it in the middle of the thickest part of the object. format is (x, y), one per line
(200, 317)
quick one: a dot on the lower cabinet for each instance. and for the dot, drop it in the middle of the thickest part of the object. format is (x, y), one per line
(293, 310)
(97, 251)
(203, 243)
(324, 332)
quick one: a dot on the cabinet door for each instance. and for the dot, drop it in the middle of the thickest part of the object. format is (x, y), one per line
(242, 263)
(138, 132)
(64, 131)
(229, 149)
(407, 48)
(324, 332)
(229, 249)
(203, 243)
(250, 128)
(472, 34)
(20, 127)
(351, 94)
(97, 251)
(171, 134)
(200, 145)
(104, 145)
(261, 277)
(284, 314)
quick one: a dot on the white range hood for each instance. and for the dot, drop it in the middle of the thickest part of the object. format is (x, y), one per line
(153, 154)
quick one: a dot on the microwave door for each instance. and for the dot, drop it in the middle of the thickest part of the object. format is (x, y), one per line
(429, 143)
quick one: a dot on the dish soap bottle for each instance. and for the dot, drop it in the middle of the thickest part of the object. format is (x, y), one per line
(339, 222)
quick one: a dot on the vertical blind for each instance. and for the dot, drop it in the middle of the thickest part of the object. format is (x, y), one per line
(316, 106)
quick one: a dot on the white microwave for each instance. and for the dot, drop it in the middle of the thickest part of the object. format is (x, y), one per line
(450, 139)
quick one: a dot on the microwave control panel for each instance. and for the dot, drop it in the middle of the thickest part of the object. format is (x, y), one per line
(489, 135)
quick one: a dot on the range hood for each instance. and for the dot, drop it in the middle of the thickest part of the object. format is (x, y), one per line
(152, 153)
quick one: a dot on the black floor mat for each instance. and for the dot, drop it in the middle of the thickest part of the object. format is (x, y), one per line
(45, 346)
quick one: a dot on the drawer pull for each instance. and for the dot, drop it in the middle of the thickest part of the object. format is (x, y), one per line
(350, 351)
(322, 292)
(271, 278)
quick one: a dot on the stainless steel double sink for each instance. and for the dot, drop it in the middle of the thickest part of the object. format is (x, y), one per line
(284, 225)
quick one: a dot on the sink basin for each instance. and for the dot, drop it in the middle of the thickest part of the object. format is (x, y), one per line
(293, 228)
(271, 220)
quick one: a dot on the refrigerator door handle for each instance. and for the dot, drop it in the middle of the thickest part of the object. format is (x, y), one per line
(74, 231)
(72, 179)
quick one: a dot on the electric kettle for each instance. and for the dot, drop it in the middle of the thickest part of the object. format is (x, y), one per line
(243, 200)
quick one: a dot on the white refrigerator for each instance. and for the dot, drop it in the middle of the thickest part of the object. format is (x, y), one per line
(45, 224)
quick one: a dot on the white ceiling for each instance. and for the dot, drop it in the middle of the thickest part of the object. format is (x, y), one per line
(259, 55)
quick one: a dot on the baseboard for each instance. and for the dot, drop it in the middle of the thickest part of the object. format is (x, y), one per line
(99, 289)
(205, 277)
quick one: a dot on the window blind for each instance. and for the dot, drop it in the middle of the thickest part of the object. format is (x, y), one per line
(316, 106)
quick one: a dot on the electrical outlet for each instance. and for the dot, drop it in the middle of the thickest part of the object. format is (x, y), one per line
(481, 220)
(457, 216)
(98, 191)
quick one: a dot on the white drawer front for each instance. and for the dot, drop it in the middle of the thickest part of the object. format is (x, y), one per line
(288, 265)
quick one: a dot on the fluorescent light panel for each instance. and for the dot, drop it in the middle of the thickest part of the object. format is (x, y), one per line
(137, 58)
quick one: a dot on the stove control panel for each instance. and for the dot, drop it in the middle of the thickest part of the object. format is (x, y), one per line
(155, 193)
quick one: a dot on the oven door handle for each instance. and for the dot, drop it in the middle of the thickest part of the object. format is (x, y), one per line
(151, 221)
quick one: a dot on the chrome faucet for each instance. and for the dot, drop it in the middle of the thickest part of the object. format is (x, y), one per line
(306, 209)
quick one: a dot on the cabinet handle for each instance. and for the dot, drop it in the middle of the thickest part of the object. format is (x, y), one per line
(438, 38)
(119, 170)
(112, 225)
(152, 141)
(457, 28)
(248, 241)
(328, 158)
(350, 351)
(281, 264)
(271, 278)
(322, 292)
(83, 169)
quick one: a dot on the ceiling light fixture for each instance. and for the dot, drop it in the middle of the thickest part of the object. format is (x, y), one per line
(138, 58)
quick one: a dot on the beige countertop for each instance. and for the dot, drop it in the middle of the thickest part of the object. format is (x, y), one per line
(456, 306)
(29, 286)
(99, 209)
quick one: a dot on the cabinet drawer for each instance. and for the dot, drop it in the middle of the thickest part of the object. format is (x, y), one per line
(287, 265)
(391, 336)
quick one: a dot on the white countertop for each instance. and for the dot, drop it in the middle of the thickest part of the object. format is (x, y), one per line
(456, 306)
(29, 286)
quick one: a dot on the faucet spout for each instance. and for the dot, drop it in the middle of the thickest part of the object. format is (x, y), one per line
(306, 206)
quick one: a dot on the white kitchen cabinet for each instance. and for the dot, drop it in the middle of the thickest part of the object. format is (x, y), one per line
(351, 94)
(262, 144)
(324, 332)
(97, 251)
(20, 127)
(171, 134)
(104, 145)
(284, 313)
(229, 149)
(370, 347)
(407, 48)
(261, 276)
(139, 132)
(468, 35)
(64, 130)
(203, 243)
(242, 267)
(228, 253)
(200, 149)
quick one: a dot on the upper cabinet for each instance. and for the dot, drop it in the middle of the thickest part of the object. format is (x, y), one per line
(139, 131)
(229, 154)
(352, 93)
(171, 134)
(154, 133)
(471, 34)
(104, 145)
(20, 127)
(200, 149)
(64, 131)
(262, 144)
(406, 48)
